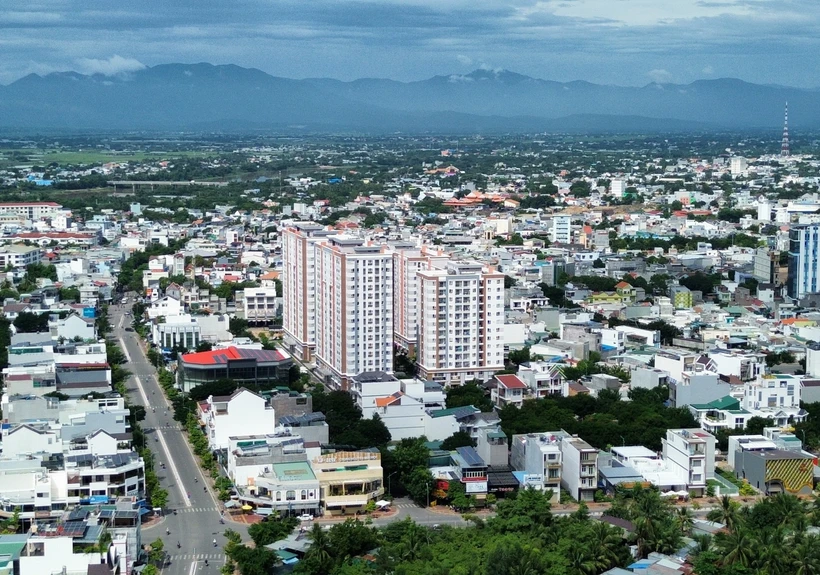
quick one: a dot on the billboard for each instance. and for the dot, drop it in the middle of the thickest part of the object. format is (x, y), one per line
(475, 487)
(90, 312)
(533, 480)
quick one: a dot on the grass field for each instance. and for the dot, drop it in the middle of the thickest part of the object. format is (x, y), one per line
(64, 158)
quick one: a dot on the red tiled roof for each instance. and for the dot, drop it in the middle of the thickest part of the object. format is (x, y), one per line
(511, 381)
(622, 285)
(222, 356)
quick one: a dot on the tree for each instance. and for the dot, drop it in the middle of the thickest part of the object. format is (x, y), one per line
(27, 322)
(150, 570)
(159, 498)
(272, 530)
(419, 484)
(458, 439)
(468, 394)
(519, 356)
(204, 346)
(156, 553)
(598, 263)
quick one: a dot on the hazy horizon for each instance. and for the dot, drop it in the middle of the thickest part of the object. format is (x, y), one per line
(623, 43)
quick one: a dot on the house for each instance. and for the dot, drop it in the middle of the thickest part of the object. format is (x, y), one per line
(538, 459)
(348, 480)
(542, 378)
(241, 413)
(723, 413)
(508, 390)
(74, 327)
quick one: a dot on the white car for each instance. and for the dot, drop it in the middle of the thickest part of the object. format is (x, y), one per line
(305, 517)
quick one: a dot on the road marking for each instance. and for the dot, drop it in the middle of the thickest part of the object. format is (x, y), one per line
(174, 470)
(125, 351)
(192, 570)
(142, 391)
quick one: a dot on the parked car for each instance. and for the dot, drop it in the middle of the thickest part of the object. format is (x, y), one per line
(305, 517)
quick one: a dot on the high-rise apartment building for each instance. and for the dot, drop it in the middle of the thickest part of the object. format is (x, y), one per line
(354, 309)
(299, 287)
(408, 260)
(804, 242)
(460, 323)
(562, 229)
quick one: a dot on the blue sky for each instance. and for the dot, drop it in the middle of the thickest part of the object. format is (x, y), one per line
(626, 42)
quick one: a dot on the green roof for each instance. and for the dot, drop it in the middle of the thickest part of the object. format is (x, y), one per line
(733, 309)
(285, 555)
(296, 471)
(11, 549)
(497, 435)
(453, 411)
(728, 402)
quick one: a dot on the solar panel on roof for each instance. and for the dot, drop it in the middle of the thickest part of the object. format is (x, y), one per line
(470, 456)
(77, 515)
(106, 513)
(73, 528)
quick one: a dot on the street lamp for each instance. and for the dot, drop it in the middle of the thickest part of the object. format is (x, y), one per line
(390, 491)
(622, 441)
(428, 494)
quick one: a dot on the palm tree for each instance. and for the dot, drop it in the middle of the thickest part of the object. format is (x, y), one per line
(320, 548)
(736, 547)
(703, 542)
(605, 541)
(684, 519)
(581, 561)
(805, 557)
(770, 544)
(726, 512)
(646, 534)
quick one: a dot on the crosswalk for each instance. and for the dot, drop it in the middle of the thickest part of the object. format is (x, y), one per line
(196, 510)
(404, 506)
(197, 557)
(174, 427)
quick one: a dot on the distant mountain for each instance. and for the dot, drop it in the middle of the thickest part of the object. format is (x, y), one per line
(203, 96)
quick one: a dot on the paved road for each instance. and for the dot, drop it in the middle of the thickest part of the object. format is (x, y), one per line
(196, 524)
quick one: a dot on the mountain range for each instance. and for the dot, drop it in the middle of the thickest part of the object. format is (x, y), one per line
(227, 97)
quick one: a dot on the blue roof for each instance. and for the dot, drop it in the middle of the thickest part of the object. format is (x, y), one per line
(608, 347)
(470, 456)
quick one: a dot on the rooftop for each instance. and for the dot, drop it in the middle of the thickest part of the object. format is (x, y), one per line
(223, 356)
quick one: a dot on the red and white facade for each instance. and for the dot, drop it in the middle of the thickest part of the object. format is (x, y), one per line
(407, 262)
(354, 309)
(460, 323)
(299, 287)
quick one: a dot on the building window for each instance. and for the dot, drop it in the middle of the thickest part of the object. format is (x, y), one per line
(291, 496)
(304, 494)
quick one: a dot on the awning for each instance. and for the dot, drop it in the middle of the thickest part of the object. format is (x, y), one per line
(286, 556)
(264, 511)
(231, 503)
(347, 503)
(247, 508)
(382, 503)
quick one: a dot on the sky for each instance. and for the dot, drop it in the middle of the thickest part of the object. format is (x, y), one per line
(622, 42)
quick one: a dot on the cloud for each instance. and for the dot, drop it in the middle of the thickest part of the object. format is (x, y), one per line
(113, 66)
(465, 60)
(660, 75)
(708, 70)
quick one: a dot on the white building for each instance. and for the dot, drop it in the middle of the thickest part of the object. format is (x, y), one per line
(260, 305)
(461, 323)
(539, 456)
(804, 273)
(242, 413)
(738, 165)
(579, 475)
(617, 187)
(379, 393)
(691, 453)
(19, 255)
(776, 397)
(354, 309)
(299, 287)
(31, 210)
(562, 229)
(177, 331)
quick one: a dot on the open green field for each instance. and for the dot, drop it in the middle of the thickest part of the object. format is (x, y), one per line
(65, 158)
